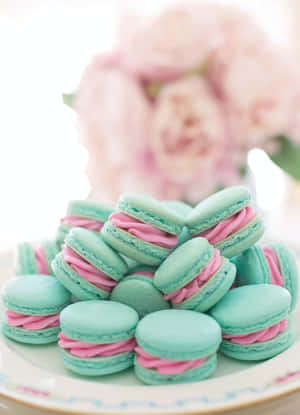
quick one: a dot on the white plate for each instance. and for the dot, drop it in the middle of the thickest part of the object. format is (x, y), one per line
(34, 375)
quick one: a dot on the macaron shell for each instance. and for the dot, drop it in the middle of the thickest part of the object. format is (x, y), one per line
(135, 248)
(138, 292)
(44, 336)
(183, 265)
(73, 282)
(262, 350)
(98, 321)
(94, 249)
(97, 366)
(217, 207)
(251, 308)
(35, 295)
(211, 292)
(161, 334)
(90, 209)
(61, 233)
(252, 267)
(238, 242)
(182, 209)
(25, 260)
(152, 377)
(51, 250)
(289, 270)
(151, 211)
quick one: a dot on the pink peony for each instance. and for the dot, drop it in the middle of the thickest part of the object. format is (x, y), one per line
(163, 47)
(188, 130)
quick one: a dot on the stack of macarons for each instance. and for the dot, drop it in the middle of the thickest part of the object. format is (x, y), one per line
(158, 285)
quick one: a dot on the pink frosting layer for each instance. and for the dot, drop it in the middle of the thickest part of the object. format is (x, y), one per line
(82, 349)
(228, 226)
(91, 224)
(41, 260)
(87, 270)
(142, 272)
(164, 366)
(143, 230)
(271, 257)
(194, 286)
(259, 336)
(31, 322)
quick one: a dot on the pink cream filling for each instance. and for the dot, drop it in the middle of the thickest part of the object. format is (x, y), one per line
(143, 230)
(194, 286)
(91, 224)
(31, 322)
(87, 270)
(41, 260)
(271, 257)
(85, 350)
(228, 226)
(259, 336)
(164, 366)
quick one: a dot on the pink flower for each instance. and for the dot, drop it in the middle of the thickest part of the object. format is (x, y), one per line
(163, 47)
(254, 80)
(188, 131)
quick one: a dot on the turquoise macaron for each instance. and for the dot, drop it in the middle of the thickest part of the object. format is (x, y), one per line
(227, 220)
(35, 259)
(138, 291)
(182, 209)
(254, 322)
(143, 229)
(195, 276)
(272, 263)
(88, 214)
(33, 305)
(97, 337)
(87, 266)
(176, 346)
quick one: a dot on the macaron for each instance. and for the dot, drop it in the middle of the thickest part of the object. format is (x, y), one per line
(33, 305)
(195, 276)
(97, 337)
(182, 209)
(88, 214)
(176, 346)
(272, 263)
(143, 229)
(87, 266)
(137, 291)
(227, 220)
(35, 259)
(254, 322)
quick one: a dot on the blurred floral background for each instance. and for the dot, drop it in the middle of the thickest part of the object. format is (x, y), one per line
(176, 100)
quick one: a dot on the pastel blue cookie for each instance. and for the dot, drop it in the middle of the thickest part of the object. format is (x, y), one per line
(90, 246)
(100, 323)
(178, 336)
(86, 209)
(138, 292)
(34, 295)
(184, 264)
(26, 260)
(149, 211)
(253, 268)
(223, 205)
(182, 209)
(250, 309)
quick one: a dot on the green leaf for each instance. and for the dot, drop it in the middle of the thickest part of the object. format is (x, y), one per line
(288, 157)
(68, 99)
